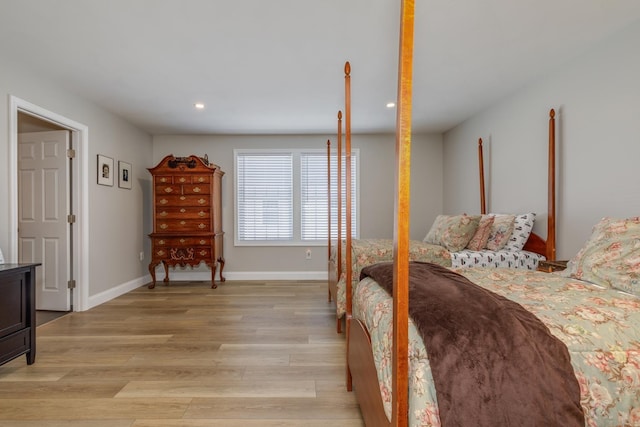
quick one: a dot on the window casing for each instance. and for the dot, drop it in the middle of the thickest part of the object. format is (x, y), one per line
(281, 197)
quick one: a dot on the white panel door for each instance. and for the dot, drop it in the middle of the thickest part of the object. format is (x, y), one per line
(43, 204)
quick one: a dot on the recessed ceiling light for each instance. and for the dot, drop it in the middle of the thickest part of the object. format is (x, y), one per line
(391, 104)
(198, 105)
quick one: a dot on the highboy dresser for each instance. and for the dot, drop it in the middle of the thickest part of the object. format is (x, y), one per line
(187, 215)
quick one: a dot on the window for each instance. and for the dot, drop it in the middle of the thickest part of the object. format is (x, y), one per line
(273, 208)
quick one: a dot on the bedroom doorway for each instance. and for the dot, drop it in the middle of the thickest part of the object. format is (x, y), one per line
(63, 278)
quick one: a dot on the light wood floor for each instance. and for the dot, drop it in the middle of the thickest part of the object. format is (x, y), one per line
(246, 354)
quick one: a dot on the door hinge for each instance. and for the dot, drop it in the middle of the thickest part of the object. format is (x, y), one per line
(71, 284)
(71, 153)
(71, 219)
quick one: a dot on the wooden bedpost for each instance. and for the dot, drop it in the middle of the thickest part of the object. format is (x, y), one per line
(339, 195)
(339, 210)
(348, 261)
(483, 203)
(551, 203)
(328, 219)
(400, 404)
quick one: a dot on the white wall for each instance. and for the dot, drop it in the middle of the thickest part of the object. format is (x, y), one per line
(116, 217)
(376, 194)
(597, 98)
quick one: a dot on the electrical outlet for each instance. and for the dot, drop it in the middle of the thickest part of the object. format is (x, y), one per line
(308, 254)
(141, 256)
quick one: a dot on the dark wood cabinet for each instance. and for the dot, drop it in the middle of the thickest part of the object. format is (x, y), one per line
(187, 215)
(17, 312)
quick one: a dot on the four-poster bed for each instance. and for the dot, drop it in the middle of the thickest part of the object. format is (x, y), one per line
(587, 319)
(523, 248)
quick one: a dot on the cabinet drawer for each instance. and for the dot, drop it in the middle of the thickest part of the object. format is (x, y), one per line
(185, 253)
(182, 213)
(15, 344)
(182, 179)
(183, 225)
(13, 294)
(182, 241)
(182, 200)
(191, 179)
(183, 189)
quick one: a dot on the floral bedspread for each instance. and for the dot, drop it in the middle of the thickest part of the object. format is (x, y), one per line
(601, 328)
(366, 252)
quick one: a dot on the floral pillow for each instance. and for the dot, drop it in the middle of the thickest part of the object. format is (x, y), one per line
(522, 226)
(611, 256)
(500, 231)
(452, 231)
(480, 238)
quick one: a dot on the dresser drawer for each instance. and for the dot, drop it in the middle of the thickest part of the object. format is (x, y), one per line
(183, 189)
(183, 225)
(191, 179)
(186, 212)
(15, 344)
(183, 253)
(182, 179)
(182, 200)
(182, 241)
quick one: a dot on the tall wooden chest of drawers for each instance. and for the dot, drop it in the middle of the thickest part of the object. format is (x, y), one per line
(187, 215)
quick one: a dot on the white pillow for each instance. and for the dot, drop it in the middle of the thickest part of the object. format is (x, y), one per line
(522, 227)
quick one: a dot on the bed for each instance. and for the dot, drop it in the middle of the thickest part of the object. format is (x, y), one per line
(592, 307)
(470, 241)
(590, 313)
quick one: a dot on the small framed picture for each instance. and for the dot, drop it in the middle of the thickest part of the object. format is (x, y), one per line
(105, 170)
(124, 175)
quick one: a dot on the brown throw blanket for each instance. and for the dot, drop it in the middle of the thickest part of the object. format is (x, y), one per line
(493, 362)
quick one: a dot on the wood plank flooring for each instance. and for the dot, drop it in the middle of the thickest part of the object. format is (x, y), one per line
(184, 355)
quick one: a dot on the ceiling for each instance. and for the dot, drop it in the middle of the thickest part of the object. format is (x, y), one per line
(276, 67)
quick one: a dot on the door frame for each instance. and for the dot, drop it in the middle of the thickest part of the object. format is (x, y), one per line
(79, 192)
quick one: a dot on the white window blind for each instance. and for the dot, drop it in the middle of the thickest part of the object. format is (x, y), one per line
(264, 196)
(274, 209)
(314, 209)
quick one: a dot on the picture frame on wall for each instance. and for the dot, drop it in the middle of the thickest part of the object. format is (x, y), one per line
(124, 175)
(105, 170)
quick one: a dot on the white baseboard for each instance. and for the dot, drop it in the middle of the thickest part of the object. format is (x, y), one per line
(122, 289)
(115, 292)
(249, 275)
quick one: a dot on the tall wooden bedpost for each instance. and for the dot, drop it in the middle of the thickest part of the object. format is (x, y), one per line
(328, 218)
(400, 405)
(551, 191)
(483, 203)
(339, 197)
(348, 261)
